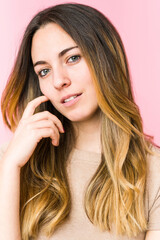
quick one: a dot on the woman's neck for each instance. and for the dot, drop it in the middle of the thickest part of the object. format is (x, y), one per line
(88, 134)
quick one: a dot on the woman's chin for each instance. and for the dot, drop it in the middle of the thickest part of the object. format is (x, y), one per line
(79, 118)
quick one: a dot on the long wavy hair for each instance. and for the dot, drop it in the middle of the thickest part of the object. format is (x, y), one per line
(116, 192)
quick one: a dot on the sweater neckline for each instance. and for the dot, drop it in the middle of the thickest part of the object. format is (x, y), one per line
(82, 155)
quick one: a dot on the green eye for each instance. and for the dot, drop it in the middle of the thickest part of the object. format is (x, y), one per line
(73, 59)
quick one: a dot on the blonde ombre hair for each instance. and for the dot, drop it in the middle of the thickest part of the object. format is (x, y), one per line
(115, 194)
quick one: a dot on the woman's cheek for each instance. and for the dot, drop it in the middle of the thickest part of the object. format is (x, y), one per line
(48, 91)
(42, 88)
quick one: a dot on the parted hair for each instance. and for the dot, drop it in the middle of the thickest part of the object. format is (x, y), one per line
(116, 192)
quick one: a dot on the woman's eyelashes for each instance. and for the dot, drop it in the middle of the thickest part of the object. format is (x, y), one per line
(42, 73)
(71, 60)
(74, 58)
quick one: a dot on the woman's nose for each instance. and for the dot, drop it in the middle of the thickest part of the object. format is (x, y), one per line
(60, 78)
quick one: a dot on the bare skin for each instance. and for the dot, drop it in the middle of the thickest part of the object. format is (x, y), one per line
(88, 133)
(31, 129)
(35, 127)
(58, 77)
(63, 76)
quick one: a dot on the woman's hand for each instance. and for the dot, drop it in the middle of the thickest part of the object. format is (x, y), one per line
(31, 129)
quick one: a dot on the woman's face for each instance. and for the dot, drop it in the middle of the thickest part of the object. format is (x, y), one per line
(63, 73)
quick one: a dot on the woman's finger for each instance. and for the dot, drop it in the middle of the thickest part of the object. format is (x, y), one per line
(41, 124)
(31, 106)
(48, 132)
(45, 115)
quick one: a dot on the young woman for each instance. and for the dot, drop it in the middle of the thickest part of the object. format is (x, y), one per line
(79, 165)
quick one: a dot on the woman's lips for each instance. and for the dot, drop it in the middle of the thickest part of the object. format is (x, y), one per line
(69, 96)
(71, 99)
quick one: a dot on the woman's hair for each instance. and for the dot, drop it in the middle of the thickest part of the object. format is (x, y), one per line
(115, 194)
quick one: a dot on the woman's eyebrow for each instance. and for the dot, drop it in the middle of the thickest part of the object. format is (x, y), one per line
(66, 50)
(60, 55)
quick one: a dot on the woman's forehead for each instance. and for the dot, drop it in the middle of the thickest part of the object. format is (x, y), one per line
(51, 37)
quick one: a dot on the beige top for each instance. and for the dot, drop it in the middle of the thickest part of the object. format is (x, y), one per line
(81, 167)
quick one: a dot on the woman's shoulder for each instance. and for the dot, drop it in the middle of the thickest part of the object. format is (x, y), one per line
(153, 175)
(153, 166)
(153, 161)
(153, 189)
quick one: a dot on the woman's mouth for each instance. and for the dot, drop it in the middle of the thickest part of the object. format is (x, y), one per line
(70, 100)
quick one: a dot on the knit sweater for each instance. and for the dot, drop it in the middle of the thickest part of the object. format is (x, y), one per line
(81, 167)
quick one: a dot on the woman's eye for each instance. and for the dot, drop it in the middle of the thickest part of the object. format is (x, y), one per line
(73, 59)
(43, 72)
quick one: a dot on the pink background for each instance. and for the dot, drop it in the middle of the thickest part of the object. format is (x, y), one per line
(138, 22)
